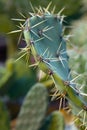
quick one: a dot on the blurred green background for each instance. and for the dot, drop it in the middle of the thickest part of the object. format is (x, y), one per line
(16, 77)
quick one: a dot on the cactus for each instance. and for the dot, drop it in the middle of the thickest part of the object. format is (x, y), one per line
(34, 108)
(43, 33)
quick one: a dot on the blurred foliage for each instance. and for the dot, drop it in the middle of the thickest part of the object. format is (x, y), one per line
(4, 117)
(16, 79)
(78, 55)
(84, 9)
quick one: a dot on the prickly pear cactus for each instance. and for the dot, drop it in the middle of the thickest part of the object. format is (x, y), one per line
(33, 109)
(43, 33)
(55, 121)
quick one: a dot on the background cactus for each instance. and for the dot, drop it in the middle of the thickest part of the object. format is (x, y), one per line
(34, 109)
(78, 56)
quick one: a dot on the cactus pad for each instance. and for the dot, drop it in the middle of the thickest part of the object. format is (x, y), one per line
(45, 34)
(33, 109)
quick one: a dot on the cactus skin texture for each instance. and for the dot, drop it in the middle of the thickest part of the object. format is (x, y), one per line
(43, 35)
(55, 121)
(33, 109)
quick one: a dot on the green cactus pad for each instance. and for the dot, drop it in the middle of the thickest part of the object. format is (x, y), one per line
(33, 109)
(45, 34)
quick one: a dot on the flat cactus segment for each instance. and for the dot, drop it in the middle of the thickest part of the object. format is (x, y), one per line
(33, 109)
(55, 121)
(45, 33)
